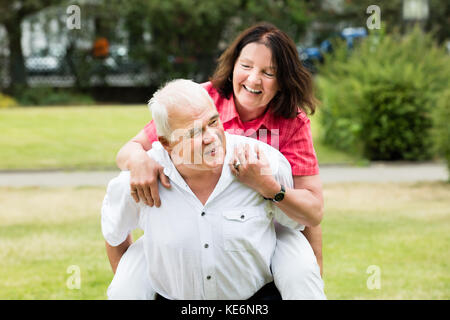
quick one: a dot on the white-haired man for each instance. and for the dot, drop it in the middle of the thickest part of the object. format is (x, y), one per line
(213, 237)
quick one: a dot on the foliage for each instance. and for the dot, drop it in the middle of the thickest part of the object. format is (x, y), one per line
(354, 13)
(6, 101)
(51, 96)
(187, 36)
(377, 99)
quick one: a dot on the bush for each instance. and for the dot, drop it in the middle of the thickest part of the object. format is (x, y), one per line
(441, 131)
(47, 96)
(378, 98)
(6, 101)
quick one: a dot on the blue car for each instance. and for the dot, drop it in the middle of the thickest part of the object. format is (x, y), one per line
(311, 56)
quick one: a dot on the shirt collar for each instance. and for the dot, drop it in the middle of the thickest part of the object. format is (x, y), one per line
(229, 113)
(159, 154)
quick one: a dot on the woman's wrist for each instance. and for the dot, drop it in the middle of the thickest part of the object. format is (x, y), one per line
(270, 189)
(138, 157)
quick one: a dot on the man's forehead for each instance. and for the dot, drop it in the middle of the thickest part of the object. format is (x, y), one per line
(189, 117)
(192, 112)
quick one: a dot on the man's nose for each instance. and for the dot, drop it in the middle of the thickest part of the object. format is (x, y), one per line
(208, 136)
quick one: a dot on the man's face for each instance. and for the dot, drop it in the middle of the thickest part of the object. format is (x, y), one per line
(198, 138)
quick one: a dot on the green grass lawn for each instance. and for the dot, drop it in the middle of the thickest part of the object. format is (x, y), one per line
(402, 229)
(87, 137)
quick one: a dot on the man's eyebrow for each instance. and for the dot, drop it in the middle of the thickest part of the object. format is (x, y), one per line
(214, 117)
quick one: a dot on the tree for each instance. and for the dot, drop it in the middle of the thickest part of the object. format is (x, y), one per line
(188, 35)
(13, 13)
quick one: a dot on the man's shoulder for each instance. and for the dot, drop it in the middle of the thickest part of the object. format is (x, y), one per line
(158, 153)
(121, 180)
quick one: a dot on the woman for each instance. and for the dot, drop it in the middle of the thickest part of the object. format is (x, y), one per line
(260, 89)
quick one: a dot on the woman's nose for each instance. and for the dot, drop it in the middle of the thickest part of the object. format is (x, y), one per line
(254, 77)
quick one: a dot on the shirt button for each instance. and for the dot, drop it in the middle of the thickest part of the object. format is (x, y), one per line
(208, 277)
(203, 213)
(242, 217)
(206, 245)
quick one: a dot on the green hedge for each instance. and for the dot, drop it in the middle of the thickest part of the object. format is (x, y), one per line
(47, 96)
(377, 99)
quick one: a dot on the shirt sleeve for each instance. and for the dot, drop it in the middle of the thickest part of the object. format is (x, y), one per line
(299, 148)
(150, 131)
(120, 213)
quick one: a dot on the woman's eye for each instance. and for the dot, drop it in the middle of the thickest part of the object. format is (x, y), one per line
(269, 74)
(245, 66)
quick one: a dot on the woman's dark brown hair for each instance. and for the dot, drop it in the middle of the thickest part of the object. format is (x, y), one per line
(294, 81)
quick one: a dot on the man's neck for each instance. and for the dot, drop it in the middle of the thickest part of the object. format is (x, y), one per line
(201, 182)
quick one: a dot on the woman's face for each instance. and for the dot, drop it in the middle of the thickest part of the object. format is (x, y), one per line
(254, 80)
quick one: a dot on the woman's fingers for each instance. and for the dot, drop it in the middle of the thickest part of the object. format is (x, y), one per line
(148, 198)
(141, 194)
(155, 194)
(164, 179)
(241, 156)
(144, 178)
(134, 194)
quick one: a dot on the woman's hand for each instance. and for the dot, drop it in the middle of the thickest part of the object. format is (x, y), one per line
(144, 175)
(254, 170)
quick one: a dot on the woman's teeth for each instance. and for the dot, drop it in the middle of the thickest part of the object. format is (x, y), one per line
(251, 90)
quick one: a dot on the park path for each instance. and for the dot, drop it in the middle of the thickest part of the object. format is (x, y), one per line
(378, 172)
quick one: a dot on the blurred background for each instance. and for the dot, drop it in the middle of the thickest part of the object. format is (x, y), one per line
(380, 72)
(75, 77)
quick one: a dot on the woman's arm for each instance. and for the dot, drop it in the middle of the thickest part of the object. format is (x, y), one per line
(303, 203)
(144, 171)
(135, 148)
(314, 237)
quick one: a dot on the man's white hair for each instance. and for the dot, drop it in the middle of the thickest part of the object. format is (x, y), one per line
(175, 94)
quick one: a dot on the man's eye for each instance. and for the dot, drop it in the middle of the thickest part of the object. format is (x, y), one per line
(213, 123)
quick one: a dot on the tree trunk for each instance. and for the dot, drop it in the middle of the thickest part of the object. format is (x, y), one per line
(17, 71)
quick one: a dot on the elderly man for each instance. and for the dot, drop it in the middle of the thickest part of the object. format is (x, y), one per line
(213, 237)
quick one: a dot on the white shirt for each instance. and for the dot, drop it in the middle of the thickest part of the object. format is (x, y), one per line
(220, 250)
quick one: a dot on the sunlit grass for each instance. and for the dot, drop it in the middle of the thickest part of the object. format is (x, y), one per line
(400, 228)
(87, 137)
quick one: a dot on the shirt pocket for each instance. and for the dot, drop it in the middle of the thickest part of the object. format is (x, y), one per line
(244, 228)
